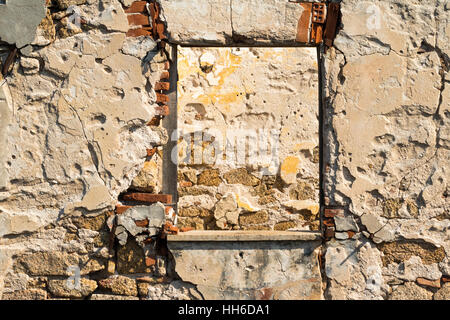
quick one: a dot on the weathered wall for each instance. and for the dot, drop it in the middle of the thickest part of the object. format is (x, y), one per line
(387, 149)
(64, 161)
(249, 155)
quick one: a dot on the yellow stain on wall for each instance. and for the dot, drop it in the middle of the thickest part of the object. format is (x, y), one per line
(290, 165)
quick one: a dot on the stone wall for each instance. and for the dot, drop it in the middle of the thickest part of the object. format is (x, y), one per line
(80, 111)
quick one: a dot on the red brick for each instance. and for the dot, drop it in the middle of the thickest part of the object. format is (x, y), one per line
(445, 278)
(137, 7)
(162, 110)
(186, 229)
(331, 213)
(138, 32)
(316, 33)
(162, 98)
(149, 261)
(138, 19)
(148, 197)
(170, 229)
(318, 12)
(162, 86)
(351, 234)
(429, 283)
(265, 294)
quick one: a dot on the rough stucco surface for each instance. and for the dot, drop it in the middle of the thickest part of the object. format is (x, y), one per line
(257, 110)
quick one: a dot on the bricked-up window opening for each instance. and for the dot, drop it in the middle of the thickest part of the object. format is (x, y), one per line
(248, 147)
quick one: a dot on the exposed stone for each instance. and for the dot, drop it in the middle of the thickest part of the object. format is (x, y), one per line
(20, 19)
(410, 291)
(209, 177)
(285, 225)
(429, 283)
(46, 32)
(302, 191)
(194, 212)
(412, 270)
(219, 21)
(372, 222)
(119, 285)
(403, 250)
(31, 294)
(131, 258)
(150, 177)
(345, 222)
(72, 289)
(57, 263)
(29, 65)
(253, 218)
